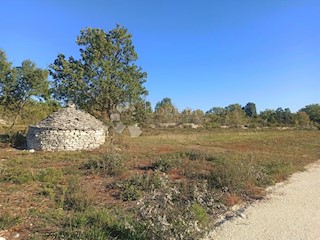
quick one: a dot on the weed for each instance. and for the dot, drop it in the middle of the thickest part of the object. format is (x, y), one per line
(276, 170)
(200, 213)
(17, 176)
(74, 198)
(7, 221)
(49, 175)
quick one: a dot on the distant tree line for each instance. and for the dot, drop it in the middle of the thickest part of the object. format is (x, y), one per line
(106, 77)
(236, 115)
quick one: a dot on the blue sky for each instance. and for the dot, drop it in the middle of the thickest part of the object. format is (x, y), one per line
(201, 54)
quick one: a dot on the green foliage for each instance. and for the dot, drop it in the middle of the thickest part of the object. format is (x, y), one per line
(132, 188)
(99, 224)
(250, 110)
(235, 174)
(130, 193)
(49, 175)
(200, 213)
(189, 116)
(104, 77)
(74, 198)
(232, 115)
(163, 164)
(277, 167)
(17, 176)
(201, 155)
(111, 164)
(302, 119)
(166, 112)
(14, 139)
(313, 110)
(19, 84)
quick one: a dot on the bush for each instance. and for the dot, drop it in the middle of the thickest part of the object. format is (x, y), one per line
(200, 155)
(14, 139)
(163, 165)
(111, 164)
(235, 175)
(130, 193)
(132, 188)
(167, 215)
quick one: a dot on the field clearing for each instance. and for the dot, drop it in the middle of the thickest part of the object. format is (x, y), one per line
(46, 195)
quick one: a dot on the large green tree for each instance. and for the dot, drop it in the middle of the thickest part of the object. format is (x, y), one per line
(20, 84)
(313, 110)
(106, 74)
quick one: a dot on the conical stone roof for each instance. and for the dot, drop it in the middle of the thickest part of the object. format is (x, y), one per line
(70, 118)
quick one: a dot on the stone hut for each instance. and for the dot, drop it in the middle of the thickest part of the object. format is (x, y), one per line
(68, 129)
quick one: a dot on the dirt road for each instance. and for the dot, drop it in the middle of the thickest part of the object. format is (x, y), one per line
(290, 212)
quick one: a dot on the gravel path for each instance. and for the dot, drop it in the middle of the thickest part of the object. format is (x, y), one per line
(291, 212)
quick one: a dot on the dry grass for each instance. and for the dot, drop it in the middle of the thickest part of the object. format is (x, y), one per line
(37, 195)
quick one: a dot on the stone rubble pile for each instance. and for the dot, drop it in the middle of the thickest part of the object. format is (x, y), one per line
(68, 129)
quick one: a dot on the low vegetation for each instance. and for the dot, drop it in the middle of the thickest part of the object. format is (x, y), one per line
(163, 185)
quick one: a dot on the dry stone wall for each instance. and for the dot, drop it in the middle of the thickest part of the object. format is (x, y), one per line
(64, 140)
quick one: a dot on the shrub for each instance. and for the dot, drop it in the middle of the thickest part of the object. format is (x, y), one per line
(14, 139)
(235, 175)
(111, 164)
(130, 193)
(132, 188)
(195, 155)
(276, 170)
(167, 215)
(163, 165)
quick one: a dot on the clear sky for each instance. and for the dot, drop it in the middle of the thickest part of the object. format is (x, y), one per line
(200, 53)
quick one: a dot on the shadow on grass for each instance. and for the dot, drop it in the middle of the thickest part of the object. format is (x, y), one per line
(16, 140)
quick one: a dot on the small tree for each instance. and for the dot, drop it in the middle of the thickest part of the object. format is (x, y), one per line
(250, 110)
(166, 112)
(235, 116)
(313, 110)
(104, 77)
(19, 84)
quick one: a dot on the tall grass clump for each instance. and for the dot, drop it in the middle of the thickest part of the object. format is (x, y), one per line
(235, 175)
(100, 224)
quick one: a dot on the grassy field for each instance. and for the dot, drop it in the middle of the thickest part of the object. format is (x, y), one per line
(167, 183)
